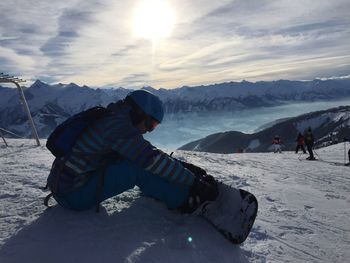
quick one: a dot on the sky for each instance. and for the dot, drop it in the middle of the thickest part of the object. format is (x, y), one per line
(173, 43)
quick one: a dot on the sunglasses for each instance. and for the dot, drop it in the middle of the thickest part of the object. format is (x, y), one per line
(151, 124)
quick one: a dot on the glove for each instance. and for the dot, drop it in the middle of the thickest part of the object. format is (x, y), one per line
(200, 191)
(209, 179)
(199, 172)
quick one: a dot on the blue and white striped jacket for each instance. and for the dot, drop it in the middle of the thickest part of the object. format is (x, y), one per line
(116, 134)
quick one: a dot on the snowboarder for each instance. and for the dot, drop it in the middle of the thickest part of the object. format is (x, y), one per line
(111, 156)
(276, 142)
(309, 141)
(300, 143)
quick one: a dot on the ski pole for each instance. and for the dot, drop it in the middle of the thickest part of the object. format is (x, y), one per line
(3, 139)
(299, 157)
(317, 155)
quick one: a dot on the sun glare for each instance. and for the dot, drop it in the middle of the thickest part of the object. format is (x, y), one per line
(153, 19)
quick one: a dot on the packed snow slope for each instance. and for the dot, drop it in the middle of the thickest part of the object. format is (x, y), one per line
(304, 211)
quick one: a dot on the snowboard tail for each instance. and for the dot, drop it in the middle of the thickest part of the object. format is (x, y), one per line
(233, 213)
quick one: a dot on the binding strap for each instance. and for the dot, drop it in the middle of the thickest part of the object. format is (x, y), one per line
(46, 200)
(60, 162)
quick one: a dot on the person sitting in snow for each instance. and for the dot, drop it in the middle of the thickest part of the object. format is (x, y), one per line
(276, 142)
(112, 156)
(300, 143)
(309, 141)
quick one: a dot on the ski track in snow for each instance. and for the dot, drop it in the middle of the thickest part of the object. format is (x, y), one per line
(304, 211)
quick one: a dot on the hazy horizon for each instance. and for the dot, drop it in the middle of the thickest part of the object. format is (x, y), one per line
(179, 129)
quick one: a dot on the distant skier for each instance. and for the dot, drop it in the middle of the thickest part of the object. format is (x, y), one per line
(347, 140)
(239, 150)
(276, 142)
(300, 143)
(309, 141)
(334, 137)
(111, 156)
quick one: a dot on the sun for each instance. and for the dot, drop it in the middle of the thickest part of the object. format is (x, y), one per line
(153, 19)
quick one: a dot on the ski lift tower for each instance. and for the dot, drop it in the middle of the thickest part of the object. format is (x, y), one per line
(8, 79)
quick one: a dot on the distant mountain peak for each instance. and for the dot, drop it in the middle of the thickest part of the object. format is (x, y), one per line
(73, 85)
(38, 84)
(149, 88)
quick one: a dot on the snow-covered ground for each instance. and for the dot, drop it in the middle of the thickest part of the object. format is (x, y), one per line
(304, 211)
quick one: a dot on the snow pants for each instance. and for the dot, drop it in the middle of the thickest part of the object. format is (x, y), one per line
(277, 148)
(300, 146)
(309, 149)
(122, 176)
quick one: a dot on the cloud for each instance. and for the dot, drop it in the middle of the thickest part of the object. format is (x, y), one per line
(13, 60)
(135, 80)
(124, 51)
(69, 24)
(253, 34)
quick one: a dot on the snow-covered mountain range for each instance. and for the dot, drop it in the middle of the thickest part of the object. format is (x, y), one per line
(328, 127)
(51, 104)
(240, 95)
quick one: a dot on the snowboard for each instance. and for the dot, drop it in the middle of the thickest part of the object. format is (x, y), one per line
(232, 213)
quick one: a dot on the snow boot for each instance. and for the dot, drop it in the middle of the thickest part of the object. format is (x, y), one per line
(202, 190)
(311, 158)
